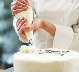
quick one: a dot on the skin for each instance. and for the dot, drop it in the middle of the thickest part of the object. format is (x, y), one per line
(18, 6)
(21, 24)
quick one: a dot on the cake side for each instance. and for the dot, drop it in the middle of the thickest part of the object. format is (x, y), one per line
(46, 60)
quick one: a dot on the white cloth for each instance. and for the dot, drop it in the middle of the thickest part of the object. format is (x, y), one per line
(64, 15)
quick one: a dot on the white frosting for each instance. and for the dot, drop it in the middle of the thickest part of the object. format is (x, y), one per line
(28, 14)
(27, 49)
(46, 62)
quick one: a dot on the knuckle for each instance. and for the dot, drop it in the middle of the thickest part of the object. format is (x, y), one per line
(21, 29)
(16, 2)
(12, 7)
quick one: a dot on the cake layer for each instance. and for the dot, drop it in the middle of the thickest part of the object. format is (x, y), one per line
(46, 60)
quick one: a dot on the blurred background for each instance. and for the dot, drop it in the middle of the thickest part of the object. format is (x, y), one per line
(9, 42)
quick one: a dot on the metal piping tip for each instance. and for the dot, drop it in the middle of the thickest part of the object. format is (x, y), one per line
(31, 42)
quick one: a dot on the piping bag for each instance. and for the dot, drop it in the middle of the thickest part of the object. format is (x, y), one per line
(28, 14)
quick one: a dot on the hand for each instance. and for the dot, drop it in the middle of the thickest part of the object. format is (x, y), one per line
(22, 26)
(18, 6)
(41, 23)
(37, 23)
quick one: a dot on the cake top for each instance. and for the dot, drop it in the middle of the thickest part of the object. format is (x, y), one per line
(50, 53)
(55, 51)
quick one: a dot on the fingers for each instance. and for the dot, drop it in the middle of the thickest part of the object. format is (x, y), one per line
(20, 22)
(22, 30)
(26, 28)
(34, 26)
(19, 3)
(22, 34)
(22, 27)
(15, 7)
(18, 6)
(17, 22)
(24, 2)
(14, 12)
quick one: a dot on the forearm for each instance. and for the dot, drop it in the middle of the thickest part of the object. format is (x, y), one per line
(50, 28)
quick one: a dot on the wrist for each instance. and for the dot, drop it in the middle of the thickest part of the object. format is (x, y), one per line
(42, 24)
(47, 26)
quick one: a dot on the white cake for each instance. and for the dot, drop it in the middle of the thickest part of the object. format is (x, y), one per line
(30, 59)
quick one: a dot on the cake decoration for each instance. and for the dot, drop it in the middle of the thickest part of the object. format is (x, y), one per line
(31, 59)
(32, 49)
